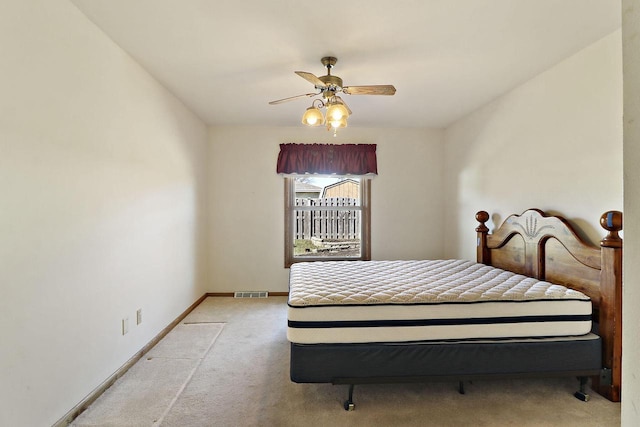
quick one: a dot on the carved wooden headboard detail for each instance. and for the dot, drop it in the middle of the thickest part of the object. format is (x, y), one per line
(547, 247)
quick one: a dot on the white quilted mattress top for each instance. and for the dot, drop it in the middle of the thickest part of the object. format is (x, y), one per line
(413, 282)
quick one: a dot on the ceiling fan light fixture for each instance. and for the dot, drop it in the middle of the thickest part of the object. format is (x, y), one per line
(313, 117)
(341, 123)
(337, 111)
(328, 86)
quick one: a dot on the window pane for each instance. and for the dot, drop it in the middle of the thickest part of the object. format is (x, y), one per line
(327, 217)
(328, 187)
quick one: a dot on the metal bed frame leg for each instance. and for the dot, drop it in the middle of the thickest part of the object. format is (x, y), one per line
(582, 393)
(461, 387)
(348, 404)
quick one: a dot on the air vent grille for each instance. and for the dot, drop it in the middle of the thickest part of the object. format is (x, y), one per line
(251, 294)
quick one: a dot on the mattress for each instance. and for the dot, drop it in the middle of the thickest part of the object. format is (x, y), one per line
(430, 300)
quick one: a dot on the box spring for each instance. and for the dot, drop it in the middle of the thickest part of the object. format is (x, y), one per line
(402, 362)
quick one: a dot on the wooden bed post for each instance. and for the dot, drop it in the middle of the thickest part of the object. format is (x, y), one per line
(482, 250)
(610, 308)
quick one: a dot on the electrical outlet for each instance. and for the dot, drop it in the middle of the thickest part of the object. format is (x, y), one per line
(138, 316)
(125, 325)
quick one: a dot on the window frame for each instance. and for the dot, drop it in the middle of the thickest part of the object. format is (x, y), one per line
(365, 224)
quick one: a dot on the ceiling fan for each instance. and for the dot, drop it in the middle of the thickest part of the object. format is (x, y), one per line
(329, 86)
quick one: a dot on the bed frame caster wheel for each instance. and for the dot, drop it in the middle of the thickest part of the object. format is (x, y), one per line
(580, 395)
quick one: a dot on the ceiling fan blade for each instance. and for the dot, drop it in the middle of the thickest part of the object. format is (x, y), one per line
(280, 101)
(370, 90)
(311, 79)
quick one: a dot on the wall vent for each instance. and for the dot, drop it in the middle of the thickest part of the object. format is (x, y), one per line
(251, 294)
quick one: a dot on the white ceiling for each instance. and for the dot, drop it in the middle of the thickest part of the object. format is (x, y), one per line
(226, 59)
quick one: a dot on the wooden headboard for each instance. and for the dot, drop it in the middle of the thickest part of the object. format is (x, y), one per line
(548, 248)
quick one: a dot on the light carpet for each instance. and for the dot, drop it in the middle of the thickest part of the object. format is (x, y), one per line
(204, 374)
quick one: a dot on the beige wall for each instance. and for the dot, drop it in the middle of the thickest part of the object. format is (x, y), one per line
(631, 288)
(553, 143)
(102, 182)
(247, 200)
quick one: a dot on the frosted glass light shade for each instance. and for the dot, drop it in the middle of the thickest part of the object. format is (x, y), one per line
(342, 123)
(313, 117)
(337, 111)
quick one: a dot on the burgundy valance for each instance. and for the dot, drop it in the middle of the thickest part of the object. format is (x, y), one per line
(327, 159)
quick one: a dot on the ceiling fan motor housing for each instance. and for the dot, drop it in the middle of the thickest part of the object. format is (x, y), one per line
(332, 83)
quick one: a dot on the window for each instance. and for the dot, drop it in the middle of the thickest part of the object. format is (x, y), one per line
(327, 201)
(327, 218)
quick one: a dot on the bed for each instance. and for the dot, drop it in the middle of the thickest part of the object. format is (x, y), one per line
(539, 301)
